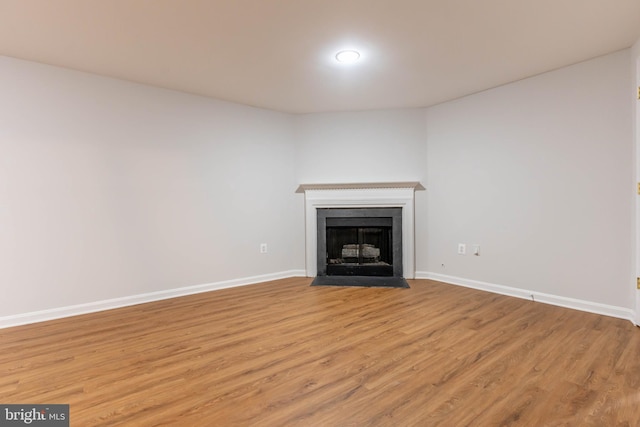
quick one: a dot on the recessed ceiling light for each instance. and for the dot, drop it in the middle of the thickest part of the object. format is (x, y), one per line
(347, 56)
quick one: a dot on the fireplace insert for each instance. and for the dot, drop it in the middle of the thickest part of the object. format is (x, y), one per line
(360, 246)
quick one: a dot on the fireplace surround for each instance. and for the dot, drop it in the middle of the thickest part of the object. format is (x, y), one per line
(361, 195)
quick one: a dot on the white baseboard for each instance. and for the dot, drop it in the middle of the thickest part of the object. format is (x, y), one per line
(91, 307)
(576, 304)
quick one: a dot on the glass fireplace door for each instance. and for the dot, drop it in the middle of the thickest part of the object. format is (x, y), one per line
(359, 250)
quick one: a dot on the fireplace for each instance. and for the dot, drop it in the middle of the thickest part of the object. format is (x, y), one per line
(378, 195)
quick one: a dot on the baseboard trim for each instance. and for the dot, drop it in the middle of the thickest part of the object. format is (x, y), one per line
(576, 304)
(92, 307)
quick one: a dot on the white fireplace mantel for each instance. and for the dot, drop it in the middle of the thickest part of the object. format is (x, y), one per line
(360, 195)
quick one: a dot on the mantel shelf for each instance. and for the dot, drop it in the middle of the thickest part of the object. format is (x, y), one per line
(415, 185)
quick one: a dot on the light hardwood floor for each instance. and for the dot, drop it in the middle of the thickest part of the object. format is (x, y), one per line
(283, 353)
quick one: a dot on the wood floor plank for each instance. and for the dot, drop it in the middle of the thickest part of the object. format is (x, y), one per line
(284, 353)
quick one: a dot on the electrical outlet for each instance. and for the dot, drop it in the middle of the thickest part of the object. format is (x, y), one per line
(263, 248)
(462, 248)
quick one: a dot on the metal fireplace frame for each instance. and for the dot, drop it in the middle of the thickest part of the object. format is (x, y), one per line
(360, 217)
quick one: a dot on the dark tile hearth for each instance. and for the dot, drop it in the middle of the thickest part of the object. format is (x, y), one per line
(363, 281)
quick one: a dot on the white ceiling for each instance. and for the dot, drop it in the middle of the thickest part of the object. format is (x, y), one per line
(278, 54)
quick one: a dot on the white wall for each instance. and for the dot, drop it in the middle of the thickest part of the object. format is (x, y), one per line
(635, 78)
(111, 189)
(362, 146)
(538, 173)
